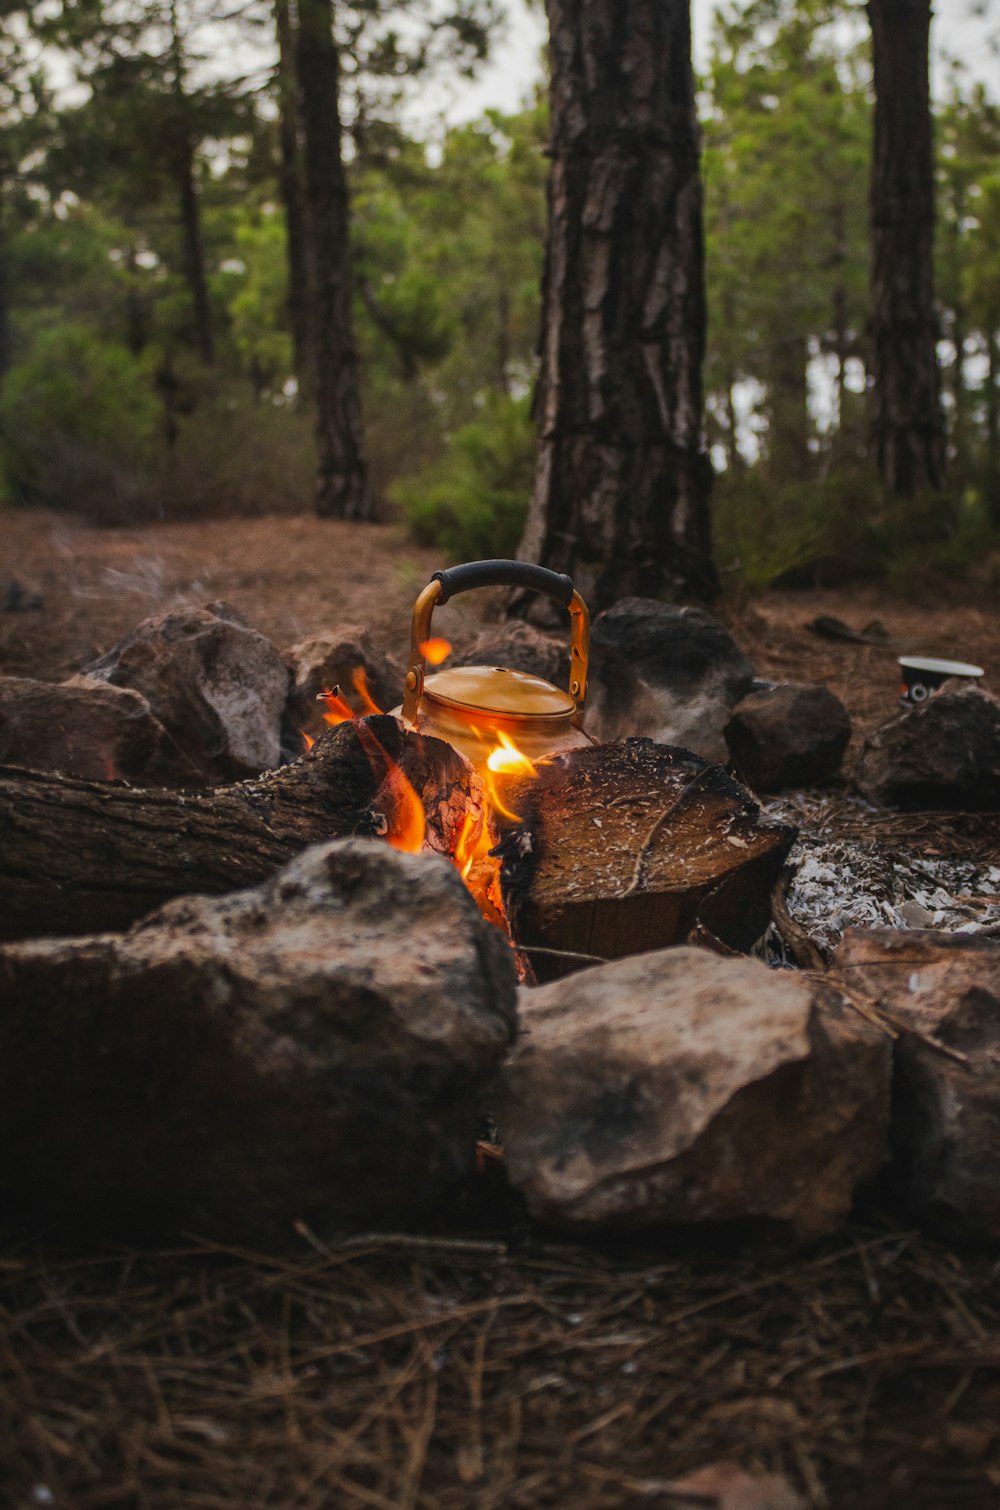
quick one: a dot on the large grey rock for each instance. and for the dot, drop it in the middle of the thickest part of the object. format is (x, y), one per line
(943, 990)
(333, 659)
(81, 727)
(315, 1048)
(216, 685)
(672, 674)
(684, 1087)
(944, 753)
(790, 735)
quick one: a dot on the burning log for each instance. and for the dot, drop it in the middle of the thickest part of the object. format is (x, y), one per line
(633, 846)
(83, 856)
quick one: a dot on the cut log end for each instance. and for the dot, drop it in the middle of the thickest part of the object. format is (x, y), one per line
(633, 846)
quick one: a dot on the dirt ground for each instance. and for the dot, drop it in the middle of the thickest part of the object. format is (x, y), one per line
(291, 577)
(480, 1364)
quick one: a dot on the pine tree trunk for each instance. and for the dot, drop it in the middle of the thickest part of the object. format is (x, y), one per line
(342, 483)
(194, 254)
(290, 184)
(906, 410)
(788, 403)
(993, 429)
(5, 355)
(192, 245)
(621, 496)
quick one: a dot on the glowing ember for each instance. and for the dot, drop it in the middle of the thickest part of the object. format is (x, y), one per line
(435, 650)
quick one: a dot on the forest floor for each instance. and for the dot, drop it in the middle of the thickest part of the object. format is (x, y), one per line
(482, 1363)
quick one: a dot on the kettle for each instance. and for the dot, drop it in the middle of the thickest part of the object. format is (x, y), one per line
(475, 708)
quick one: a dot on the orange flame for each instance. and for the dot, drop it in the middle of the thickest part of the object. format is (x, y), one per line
(360, 680)
(435, 650)
(467, 845)
(505, 759)
(337, 710)
(307, 739)
(406, 823)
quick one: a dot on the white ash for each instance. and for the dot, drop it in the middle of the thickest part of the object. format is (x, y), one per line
(842, 883)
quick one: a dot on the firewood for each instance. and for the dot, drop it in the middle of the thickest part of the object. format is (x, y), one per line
(85, 856)
(632, 846)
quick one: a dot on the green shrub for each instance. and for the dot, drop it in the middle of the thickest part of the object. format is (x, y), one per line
(472, 502)
(766, 531)
(78, 425)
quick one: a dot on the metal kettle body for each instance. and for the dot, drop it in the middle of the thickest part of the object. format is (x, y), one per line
(477, 708)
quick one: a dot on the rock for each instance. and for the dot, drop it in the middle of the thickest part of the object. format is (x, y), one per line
(216, 685)
(946, 1108)
(520, 647)
(15, 597)
(81, 727)
(726, 1486)
(329, 660)
(944, 753)
(312, 1049)
(673, 674)
(684, 1087)
(790, 735)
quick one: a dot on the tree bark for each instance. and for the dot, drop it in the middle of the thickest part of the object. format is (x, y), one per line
(86, 856)
(622, 484)
(342, 482)
(907, 421)
(5, 348)
(194, 251)
(290, 185)
(993, 428)
(183, 163)
(788, 403)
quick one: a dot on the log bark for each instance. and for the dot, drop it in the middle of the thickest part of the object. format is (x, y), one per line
(621, 496)
(84, 856)
(634, 846)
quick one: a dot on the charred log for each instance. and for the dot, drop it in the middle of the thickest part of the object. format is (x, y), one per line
(83, 856)
(634, 846)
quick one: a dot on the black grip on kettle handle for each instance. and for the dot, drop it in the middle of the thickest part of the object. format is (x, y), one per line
(458, 579)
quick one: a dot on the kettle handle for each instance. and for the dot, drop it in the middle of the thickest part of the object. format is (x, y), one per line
(447, 584)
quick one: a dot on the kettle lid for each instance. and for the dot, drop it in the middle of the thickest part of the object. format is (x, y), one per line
(500, 690)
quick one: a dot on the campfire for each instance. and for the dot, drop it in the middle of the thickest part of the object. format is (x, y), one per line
(513, 728)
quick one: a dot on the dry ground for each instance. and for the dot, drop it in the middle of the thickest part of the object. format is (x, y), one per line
(482, 1365)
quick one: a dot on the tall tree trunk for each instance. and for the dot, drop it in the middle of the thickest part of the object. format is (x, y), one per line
(5, 352)
(194, 250)
(906, 409)
(993, 429)
(788, 402)
(183, 158)
(135, 313)
(290, 185)
(342, 483)
(621, 496)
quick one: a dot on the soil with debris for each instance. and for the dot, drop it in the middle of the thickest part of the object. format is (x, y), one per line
(481, 1363)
